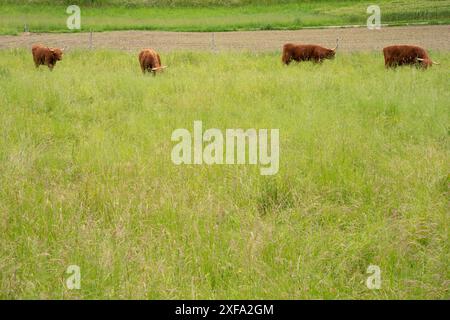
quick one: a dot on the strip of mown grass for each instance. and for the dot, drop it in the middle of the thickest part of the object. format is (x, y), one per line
(276, 15)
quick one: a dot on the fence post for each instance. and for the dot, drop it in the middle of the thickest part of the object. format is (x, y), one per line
(213, 42)
(90, 40)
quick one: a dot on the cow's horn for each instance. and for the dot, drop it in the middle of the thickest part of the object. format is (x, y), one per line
(337, 44)
(436, 63)
(420, 59)
(158, 68)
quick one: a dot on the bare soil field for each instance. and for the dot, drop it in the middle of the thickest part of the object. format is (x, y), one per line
(351, 39)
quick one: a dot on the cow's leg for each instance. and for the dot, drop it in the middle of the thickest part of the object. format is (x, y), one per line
(142, 68)
(389, 63)
(150, 69)
(286, 58)
(392, 64)
(38, 61)
(49, 62)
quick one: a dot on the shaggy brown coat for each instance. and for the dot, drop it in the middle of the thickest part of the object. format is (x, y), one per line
(150, 61)
(306, 52)
(399, 55)
(46, 56)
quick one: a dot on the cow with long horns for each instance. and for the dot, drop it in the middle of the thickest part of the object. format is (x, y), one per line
(307, 52)
(150, 61)
(399, 55)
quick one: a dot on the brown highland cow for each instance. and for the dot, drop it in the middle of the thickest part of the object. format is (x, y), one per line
(306, 52)
(46, 56)
(406, 55)
(150, 61)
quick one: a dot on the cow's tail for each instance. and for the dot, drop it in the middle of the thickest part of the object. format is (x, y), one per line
(286, 57)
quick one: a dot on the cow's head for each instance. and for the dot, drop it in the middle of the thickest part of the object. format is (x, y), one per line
(57, 53)
(425, 63)
(158, 69)
(332, 52)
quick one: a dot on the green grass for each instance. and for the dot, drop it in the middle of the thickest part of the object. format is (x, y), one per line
(86, 178)
(44, 17)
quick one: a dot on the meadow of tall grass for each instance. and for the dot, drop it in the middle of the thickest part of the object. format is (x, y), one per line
(86, 178)
(192, 15)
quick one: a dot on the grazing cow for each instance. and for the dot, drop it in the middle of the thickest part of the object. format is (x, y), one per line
(406, 55)
(150, 61)
(46, 56)
(306, 52)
